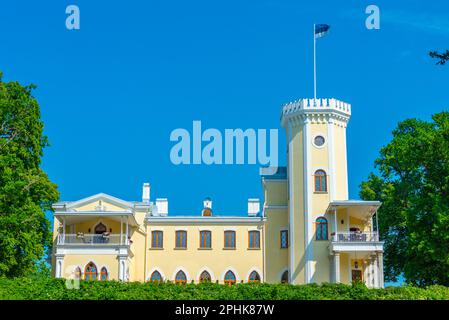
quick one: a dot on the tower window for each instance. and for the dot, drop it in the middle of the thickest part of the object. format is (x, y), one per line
(320, 181)
(284, 239)
(319, 141)
(321, 229)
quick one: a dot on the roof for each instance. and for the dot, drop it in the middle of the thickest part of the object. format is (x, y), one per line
(273, 173)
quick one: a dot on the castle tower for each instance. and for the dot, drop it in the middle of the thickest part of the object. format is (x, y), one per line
(317, 176)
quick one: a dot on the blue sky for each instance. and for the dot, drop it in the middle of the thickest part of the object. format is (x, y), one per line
(112, 91)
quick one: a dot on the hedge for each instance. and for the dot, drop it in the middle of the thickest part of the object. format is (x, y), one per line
(55, 289)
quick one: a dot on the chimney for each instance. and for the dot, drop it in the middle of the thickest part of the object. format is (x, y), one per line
(207, 203)
(162, 206)
(146, 193)
(207, 207)
(253, 207)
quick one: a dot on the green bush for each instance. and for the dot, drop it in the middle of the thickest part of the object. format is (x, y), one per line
(44, 288)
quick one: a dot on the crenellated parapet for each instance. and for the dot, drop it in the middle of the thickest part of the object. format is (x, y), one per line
(316, 111)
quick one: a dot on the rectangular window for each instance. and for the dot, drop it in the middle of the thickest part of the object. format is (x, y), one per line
(229, 239)
(181, 239)
(254, 239)
(284, 239)
(205, 239)
(156, 239)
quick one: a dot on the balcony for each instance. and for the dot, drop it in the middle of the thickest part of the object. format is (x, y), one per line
(81, 239)
(367, 242)
(355, 237)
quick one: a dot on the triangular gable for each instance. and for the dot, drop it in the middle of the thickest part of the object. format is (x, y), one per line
(92, 203)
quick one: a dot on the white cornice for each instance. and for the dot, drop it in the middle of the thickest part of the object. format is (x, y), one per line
(204, 220)
(316, 111)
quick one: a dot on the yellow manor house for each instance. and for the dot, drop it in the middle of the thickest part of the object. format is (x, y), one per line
(306, 232)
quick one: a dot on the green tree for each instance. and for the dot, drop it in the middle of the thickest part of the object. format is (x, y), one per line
(443, 57)
(25, 189)
(413, 184)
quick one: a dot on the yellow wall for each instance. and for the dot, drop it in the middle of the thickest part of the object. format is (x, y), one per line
(193, 260)
(72, 261)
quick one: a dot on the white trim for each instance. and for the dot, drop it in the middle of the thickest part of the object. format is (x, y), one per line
(151, 229)
(92, 250)
(308, 232)
(291, 200)
(181, 229)
(96, 197)
(258, 271)
(237, 278)
(374, 246)
(345, 164)
(331, 158)
(229, 229)
(212, 276)
(253, 228)
(201, 219)
(99, 220)
(183, 270)
(150, 272)
(204, 229)
(275, 207)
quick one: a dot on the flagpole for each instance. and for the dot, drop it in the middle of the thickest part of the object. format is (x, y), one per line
(314, 62)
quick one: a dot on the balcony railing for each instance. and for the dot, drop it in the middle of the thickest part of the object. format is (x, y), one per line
(92, 239)
(355, 237)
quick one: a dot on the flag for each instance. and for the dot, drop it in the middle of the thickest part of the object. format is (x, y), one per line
(321, 30)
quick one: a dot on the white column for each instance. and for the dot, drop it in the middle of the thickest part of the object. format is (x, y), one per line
(127, 231)
(375, 273)
(380, 263)
(336, 267)
(58, 266)
(122, 266)
(335, 224)
(121, 229)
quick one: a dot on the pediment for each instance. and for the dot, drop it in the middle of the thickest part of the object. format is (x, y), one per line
(100, 203)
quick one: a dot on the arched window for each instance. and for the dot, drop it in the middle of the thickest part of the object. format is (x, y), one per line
(254, 277)
(100, 228)
(156, 277)
(205, 276)
(181, 277)
(229, 278)
(78, 273)
(90, 272)
(284, 277)
(320, 181)
(321, 229)
(104, 274)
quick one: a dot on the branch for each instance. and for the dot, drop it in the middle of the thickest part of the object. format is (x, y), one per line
(444, 57)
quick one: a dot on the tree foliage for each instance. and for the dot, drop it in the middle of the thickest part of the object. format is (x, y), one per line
(413, 184)
(44, 288)
(25, 189)
(443, 57)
